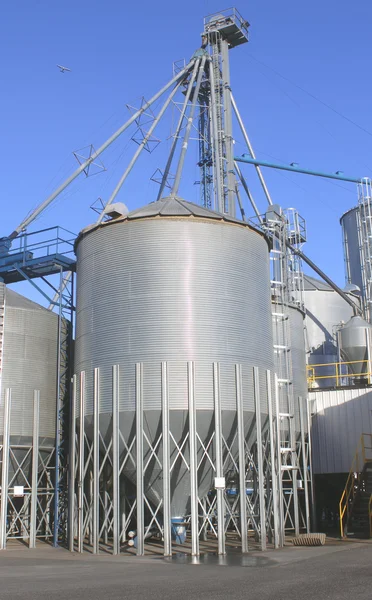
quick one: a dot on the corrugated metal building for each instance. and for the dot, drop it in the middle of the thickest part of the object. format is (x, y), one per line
(339, 418)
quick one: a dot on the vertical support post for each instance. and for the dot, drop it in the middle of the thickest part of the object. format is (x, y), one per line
(256, 386)
(193, 462)
(280, 469)
(139, 454)
(219, 459)
(58, 419)
(166, 462)
(5, 468)
(294, 466)
(96, 461)
(106, 509)
(71, 486)
(310, 464)
(241, 446)
(274, 476)
(81, 464)
(304, 465)
(35, 468)
(123, 535)
(115, 460)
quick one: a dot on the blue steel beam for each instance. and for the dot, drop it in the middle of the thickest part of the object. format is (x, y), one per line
(245, 158)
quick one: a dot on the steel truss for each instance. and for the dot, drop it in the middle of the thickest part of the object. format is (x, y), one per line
(27, 482)
(111, 513)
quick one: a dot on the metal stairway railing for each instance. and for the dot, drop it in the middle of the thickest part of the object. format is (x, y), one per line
(359, 475)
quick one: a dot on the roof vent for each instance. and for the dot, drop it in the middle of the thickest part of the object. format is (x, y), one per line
(116, 210)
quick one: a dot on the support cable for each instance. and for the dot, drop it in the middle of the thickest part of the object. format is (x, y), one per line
(314, 97)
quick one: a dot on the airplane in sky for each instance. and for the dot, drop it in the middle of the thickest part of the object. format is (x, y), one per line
(63, 69)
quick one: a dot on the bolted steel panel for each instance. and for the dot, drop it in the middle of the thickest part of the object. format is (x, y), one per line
(349, 225)
(173, 288)
(325, 310)
(29, 363)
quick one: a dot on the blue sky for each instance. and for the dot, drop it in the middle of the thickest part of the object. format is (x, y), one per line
(120, 51)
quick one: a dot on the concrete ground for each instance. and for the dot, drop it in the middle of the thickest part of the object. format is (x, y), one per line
(339, 570)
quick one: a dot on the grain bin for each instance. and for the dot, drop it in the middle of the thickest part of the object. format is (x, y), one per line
(172, 282)
(325, 311)
(29, 362)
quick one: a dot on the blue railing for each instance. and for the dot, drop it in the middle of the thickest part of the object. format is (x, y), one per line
(42, 243)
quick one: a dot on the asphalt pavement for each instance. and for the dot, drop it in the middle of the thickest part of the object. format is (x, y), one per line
(333, 572)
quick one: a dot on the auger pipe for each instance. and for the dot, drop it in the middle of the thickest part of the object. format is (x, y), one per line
(250, 148)
(102, 148)
(295, 169)
(139, 150)
(186, 137)
(344, 296)
(247, 191)
(178, 129)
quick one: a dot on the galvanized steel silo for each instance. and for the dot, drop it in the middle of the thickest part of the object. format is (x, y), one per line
(325, 310)
(172, 282)
(297, 360)
(29, 350)
(350, 231)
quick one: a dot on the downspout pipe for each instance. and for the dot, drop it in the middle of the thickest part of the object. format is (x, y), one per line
(356, 309)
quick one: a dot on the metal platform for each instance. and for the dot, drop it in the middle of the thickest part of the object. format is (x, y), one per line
(229, 24)
(38, 254)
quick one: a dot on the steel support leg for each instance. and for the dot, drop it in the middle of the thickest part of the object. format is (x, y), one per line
(219, 459)
(274, 475)
(5, 468)
(294, 471)
(261, 487)
(193, 462)
(241, 445)
(166, 462)
(115, 460)
(71, 491)
(310, 463)
(139, 454)
(96, 462)
(304, 465)
(35, 469)
(81, 465)
(280, 471)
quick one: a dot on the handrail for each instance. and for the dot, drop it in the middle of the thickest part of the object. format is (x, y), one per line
(353, 481)
(338, 375)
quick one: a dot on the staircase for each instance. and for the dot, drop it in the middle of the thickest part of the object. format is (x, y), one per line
(356, 500)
